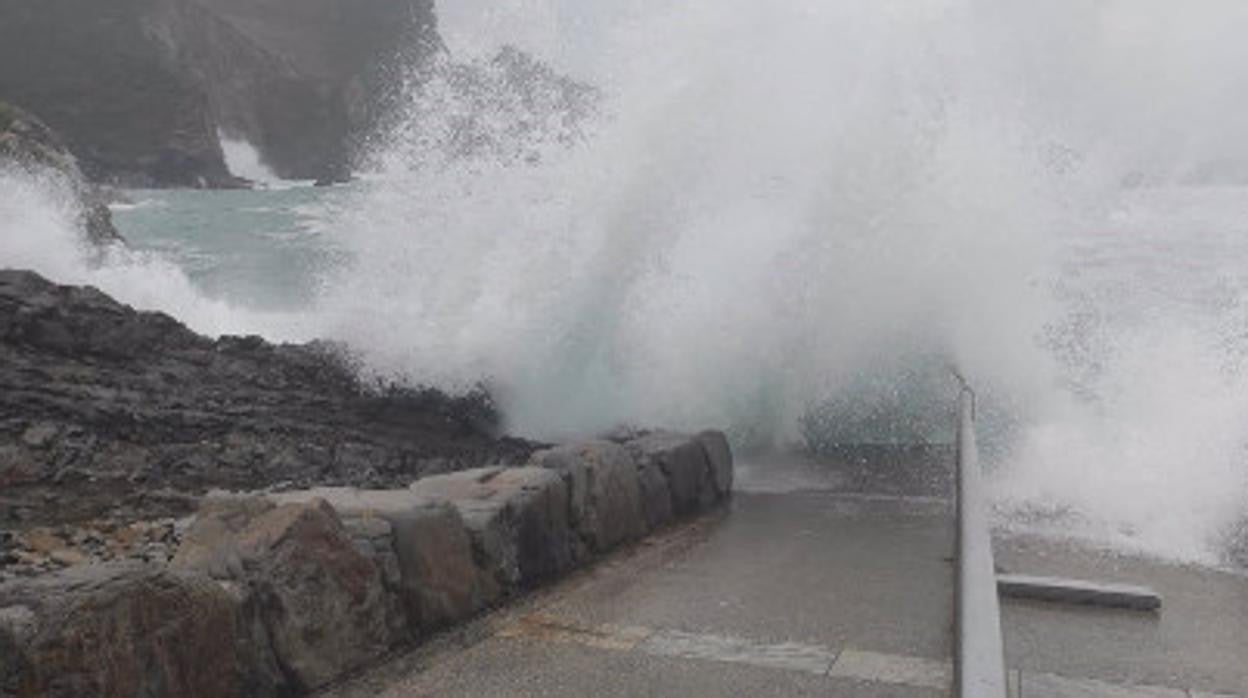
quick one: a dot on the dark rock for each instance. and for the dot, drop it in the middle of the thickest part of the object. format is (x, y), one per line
(149, 416)
(656, 495)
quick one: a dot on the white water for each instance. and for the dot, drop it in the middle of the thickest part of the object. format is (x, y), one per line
(802, 205)
(38, 231)
(796, 203)
(242, 159)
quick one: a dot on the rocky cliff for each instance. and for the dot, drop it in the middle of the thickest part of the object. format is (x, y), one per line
(141, 89)
(28, 145)
(110, 412)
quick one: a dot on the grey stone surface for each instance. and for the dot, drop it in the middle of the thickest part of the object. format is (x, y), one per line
(442, 580)
(325, 604)
(604, 491)
(683, 462)
(439, 578)
(518, 518)
(719, 457)
(656, 496)
(116, 631)
(211, 544)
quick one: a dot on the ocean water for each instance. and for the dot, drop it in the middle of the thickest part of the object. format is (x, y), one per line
(790, 220)
(263, 249)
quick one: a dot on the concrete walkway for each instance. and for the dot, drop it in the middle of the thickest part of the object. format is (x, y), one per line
(827, 581)
(1196, 645)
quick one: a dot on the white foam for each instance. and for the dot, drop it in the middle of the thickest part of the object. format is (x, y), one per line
(38, 231)
(243, 159)
(791, 201)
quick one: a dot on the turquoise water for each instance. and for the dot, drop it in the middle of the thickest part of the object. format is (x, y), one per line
(265, 250)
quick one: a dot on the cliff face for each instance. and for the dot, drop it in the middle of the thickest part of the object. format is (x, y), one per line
(96, 73)
(335, 64)
(28, 145)
(101, 407)
(141, 88)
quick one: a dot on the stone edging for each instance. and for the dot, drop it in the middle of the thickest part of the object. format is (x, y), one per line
(280, 594)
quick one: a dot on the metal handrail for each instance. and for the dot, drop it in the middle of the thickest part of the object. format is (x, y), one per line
(980, 663)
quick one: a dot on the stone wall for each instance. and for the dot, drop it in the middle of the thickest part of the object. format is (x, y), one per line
(283, 593)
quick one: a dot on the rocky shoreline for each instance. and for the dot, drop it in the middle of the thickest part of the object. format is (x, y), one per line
(109, 416)
(187, 516)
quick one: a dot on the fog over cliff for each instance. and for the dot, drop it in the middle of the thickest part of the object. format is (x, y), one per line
(141, 89)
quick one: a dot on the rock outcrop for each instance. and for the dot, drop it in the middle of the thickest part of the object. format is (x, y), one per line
(124, 415)
(142, 88)
(29, 146)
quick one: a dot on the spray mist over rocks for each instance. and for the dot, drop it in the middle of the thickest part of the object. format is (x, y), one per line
(39, 231)
(789, 219)
(793, 213)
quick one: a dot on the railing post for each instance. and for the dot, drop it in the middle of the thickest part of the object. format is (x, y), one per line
(981, 654)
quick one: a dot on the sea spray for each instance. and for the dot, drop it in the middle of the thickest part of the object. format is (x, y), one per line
(243, 160)
(769, 202)
(791, 218)
(39, 231)
(798, 209)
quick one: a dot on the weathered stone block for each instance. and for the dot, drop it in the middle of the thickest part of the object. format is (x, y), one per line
(211, 544)
(518, 518)
(683, 463)
(605, 500)
(442, 582)
(719, 457)
(323, 602)
(129, 630)
(439, 579)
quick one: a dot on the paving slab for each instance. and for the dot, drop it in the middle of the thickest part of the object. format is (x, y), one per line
(1197, 640)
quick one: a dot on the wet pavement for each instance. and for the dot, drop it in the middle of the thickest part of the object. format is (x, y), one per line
(828, 580)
